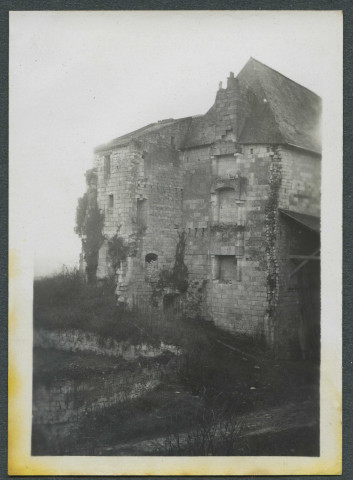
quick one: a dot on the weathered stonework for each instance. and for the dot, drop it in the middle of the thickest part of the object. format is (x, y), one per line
(226, 179)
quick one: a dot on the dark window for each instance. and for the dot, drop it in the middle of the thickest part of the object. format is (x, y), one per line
(251, 150)
(151, 257)
(268, 149)
(111, 201)
(226, 269)
(151, 265)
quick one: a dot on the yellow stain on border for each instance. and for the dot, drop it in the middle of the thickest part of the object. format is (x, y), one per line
(14, 269)
(20, 461)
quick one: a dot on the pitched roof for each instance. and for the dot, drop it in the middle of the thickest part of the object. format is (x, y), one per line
(283, 112)
(292, 114)
(202, 131)
(139, 133)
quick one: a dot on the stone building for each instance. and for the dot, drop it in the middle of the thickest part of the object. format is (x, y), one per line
(242, 182)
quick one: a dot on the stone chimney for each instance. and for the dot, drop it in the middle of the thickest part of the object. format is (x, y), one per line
(231, 108)
(231, 81)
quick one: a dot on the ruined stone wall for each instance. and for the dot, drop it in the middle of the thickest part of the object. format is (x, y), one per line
(196, 210)
(141, 201)
(161, 190)
(116, 190)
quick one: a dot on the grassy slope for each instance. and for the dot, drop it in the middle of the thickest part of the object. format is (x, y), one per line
(212, 378)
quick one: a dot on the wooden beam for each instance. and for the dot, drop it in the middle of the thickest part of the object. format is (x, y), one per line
(301, 265)
(304, 257)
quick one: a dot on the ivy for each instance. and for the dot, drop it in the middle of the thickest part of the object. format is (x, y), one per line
(271, 232)
(118, 251)
(175, 279)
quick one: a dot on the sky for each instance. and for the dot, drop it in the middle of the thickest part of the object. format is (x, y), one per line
(79, 79)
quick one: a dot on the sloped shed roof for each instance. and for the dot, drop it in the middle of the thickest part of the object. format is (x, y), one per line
(309, 221)
(291, 112)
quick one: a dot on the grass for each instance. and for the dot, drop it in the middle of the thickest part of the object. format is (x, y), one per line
(212, 381)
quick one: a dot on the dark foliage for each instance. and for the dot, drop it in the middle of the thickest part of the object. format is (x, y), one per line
(89, 227)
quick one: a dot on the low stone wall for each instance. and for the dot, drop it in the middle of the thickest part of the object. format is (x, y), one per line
(80, 341)
(66, 400)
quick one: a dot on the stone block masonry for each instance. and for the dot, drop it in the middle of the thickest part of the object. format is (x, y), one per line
(222, 178)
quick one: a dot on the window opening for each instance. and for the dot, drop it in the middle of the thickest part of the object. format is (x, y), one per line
(151, 265)
(107, 165)
(226, 269)
(151, 257)
(141, 214)
(111, 201)
(228, 209)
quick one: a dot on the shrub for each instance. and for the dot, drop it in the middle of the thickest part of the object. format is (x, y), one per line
(89, 226)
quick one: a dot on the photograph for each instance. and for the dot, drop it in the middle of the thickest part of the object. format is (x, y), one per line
(174, 242)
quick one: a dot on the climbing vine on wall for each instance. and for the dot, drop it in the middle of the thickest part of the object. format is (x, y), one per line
(271, 213)
(117, 251)
(175, 279)
(119, 248)
(89, 226)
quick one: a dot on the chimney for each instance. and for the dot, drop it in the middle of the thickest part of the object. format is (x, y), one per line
(231, 81)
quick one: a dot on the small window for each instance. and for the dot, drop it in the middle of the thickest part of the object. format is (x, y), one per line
(268, 149)
(151, 265)
(251, 150)
(111, 201)
(107, 166)
(172, 141)
(226, 269)
(151, 257)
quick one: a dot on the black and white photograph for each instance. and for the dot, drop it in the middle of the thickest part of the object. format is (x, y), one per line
(175, 238)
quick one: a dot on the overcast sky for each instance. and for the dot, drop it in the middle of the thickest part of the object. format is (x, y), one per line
(79, 79)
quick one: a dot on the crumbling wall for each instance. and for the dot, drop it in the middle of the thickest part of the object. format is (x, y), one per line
(141, 199)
